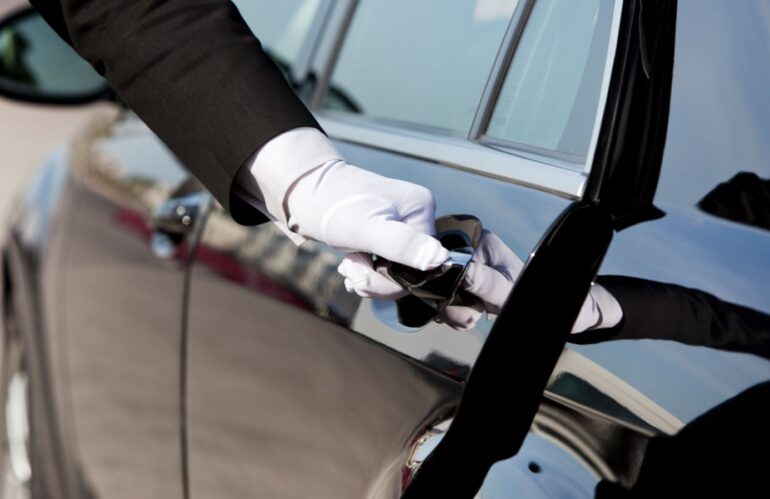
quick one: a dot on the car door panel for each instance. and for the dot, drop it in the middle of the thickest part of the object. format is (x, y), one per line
(123, 311)
(284, 403)
(291, 379)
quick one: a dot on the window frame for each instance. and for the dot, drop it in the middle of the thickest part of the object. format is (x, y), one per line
(550, 171)
(495, 88)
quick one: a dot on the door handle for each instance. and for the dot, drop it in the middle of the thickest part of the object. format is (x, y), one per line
(430, 292)
(173, 221)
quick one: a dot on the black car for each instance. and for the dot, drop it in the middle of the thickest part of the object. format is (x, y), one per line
(154, 348)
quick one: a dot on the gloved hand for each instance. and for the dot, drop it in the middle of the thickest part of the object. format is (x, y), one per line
(356, 210)
(307, 187)
(490, 277)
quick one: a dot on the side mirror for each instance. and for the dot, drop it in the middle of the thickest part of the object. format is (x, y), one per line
(38, 66)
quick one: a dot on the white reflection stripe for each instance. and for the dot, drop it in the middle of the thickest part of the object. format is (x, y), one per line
(457, 153)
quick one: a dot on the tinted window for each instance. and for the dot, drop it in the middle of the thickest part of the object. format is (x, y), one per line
(281, 26)
(423, 62)
(550, 96)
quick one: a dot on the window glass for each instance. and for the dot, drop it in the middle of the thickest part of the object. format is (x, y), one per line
(423, 62)
(281, 26)
(550, 96)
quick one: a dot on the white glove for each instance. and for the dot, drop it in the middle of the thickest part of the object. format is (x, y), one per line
(600, 310)
(308, 187)
(356, 210)
(492, 272)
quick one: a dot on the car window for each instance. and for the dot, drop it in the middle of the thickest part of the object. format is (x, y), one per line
(281, 26)
(424, 63)
(550, 95)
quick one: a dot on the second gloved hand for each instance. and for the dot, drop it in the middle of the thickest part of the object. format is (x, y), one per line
(491, 276)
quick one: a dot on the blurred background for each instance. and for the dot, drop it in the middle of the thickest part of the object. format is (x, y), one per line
(29, 132)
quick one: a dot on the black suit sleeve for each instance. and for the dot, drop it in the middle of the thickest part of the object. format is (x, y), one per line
(721, 453)
(654, 310)
(194, 72)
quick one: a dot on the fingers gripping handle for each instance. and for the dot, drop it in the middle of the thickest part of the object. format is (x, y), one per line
(430, 292)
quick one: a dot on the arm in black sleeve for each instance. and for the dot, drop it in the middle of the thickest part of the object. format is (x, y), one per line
(193, 71)
(654, 310)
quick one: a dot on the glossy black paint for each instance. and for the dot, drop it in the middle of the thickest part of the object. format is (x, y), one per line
(292, 387)
(84, 227)
(687, 246)
(283, 398)
(325, 379)
(34, 240)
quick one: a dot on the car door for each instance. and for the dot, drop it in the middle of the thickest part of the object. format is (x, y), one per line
(296, 388)
(121, 305)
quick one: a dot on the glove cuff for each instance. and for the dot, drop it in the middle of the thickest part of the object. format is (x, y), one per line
(600, 310)
(283, 160)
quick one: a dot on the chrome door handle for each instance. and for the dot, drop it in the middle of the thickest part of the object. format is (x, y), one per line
(173, 220)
